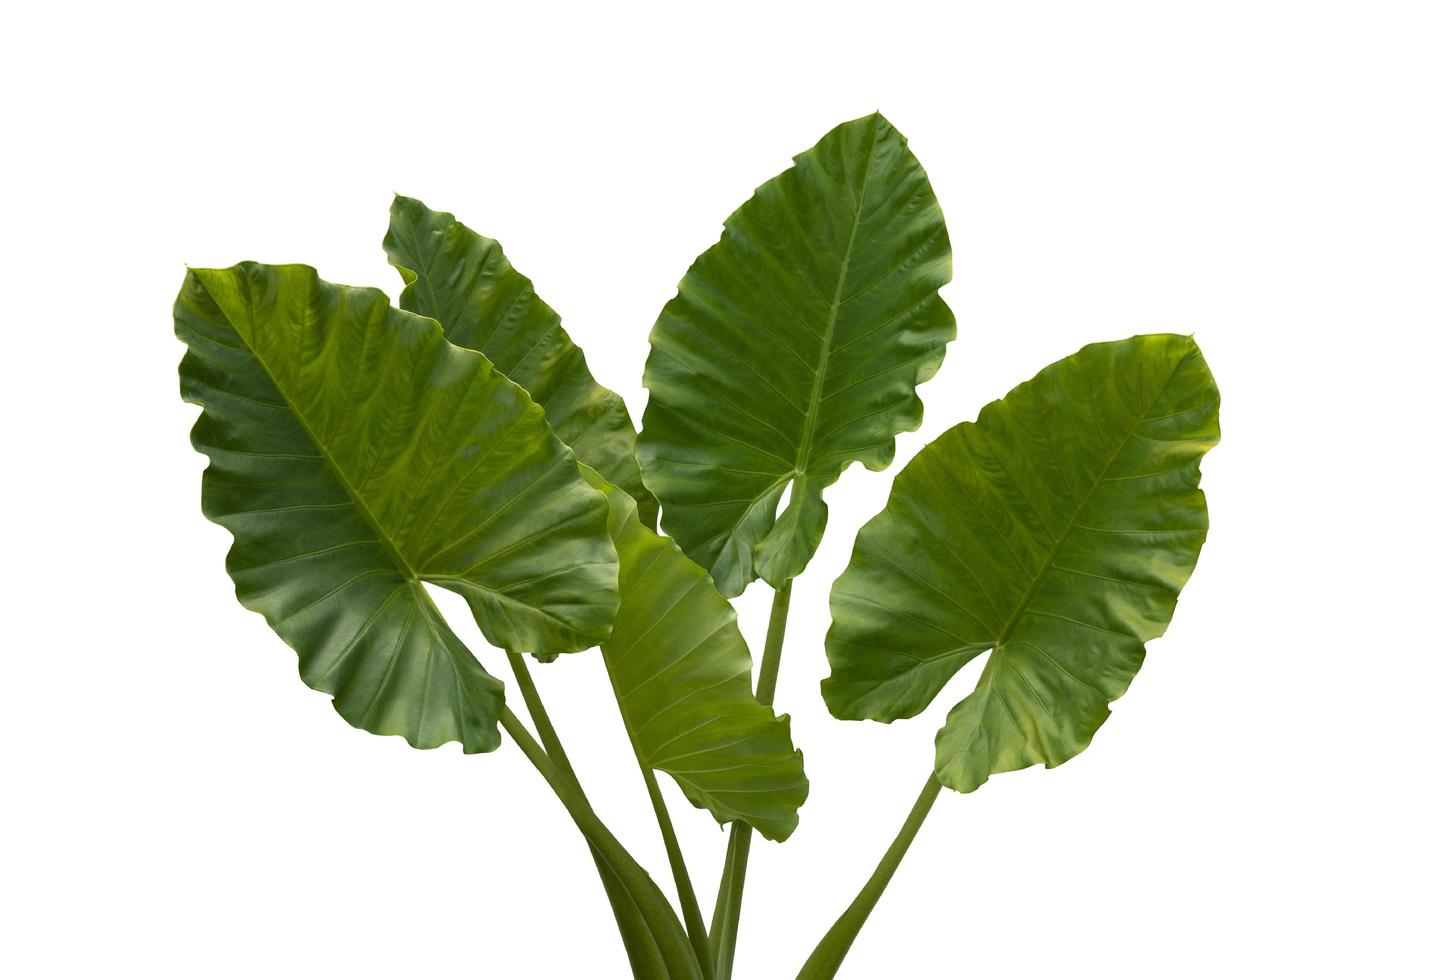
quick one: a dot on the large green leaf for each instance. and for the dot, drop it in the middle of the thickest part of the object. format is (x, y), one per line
(681, 672)
(792, 349)
(466, 283)
(1056, 531)
(356, 454)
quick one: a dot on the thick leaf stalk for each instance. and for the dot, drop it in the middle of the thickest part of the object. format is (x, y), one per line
(724, 930)
(679, 960)
(644, 954)
(825, 961)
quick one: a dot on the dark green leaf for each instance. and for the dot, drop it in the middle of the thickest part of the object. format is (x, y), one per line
(354, 455)
(466, 283)
(1056, 531)
(794, 348)
(681, 672)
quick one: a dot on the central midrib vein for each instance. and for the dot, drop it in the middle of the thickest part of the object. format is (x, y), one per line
(326, 457)
(801, 459)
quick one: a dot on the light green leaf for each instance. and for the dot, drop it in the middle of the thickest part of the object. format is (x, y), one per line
(681, 672)
(1056, 531)
(466, 283)
(794, 348)
(354, 455)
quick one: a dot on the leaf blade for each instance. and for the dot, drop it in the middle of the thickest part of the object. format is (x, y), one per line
(1056, 531)
(464, 281)
(347, 445)
(681, 672)
(793, 348)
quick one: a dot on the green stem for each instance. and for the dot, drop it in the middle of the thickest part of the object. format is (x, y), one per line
(693, 919)
(825, 961)
(688, 901)
(546, 732)
(643, 952)
(677, 958)
(773, 645)
(724, 933)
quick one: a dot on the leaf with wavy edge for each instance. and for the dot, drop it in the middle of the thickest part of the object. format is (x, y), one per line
(465, 282)
(356, 454)
(681, 673)
(1056, 531)
(792, 349)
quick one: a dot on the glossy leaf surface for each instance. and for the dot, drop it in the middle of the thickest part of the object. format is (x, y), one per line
(792, 349)
(1056, 531)
(355, 454)
(465, 282)
(681, 671)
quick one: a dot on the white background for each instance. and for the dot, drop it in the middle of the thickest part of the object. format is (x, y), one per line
(1267, 801)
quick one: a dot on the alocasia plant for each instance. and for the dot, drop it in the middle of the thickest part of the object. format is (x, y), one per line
(358, 451)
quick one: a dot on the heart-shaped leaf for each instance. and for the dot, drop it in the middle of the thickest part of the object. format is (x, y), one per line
(465, 282)
(1057, 531)
(794, 348)
(681, 672)
(356, 454)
